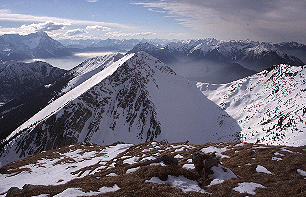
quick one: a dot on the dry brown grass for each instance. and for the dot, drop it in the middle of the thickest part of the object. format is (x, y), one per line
(285, 181)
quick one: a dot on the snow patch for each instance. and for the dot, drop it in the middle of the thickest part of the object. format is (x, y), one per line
(218, 151)
(79, 192)
(178, 156)
(220, 174)
(131, 160)
(112, 174)
(180, 149)
(301, 172)
(260, 168)
(158, 164)
(276, 159)
(279, 154)
(180, 182)
(132, 170)
(48, 171)
(247, 187)
(147, 158)
(188, 166)
(286, 150)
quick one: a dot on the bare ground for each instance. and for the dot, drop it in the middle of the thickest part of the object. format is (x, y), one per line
(243, 160)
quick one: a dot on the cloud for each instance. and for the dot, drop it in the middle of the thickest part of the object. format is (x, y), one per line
(47, 26)
(7, 15)
(116, 34)
(158, 11)
(98, 27)
(34, 27)
(92, 1)
(75, 32)
(275, 20)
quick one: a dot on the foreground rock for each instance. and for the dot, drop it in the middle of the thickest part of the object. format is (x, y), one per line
(118, 170)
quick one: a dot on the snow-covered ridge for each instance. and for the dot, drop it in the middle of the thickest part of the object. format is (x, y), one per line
(71, 95)
(269, 106)
(88, 68)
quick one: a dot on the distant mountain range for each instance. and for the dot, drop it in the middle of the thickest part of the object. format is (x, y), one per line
(35, 45)
(214, 61)
(109, 44)
(205, 60)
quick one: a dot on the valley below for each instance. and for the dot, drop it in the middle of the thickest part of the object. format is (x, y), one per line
(69, 62)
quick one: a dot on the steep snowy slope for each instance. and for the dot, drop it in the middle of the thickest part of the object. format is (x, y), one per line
(269, 106)
(135, 99)
(31, 99)
(88, 68)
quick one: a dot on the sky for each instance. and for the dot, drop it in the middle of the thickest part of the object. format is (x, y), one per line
(262, 20)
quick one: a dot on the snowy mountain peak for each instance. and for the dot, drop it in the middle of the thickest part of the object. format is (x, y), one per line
(35, 45)
(135, 99)
(39, 34)
(143, 61)
(144, 46)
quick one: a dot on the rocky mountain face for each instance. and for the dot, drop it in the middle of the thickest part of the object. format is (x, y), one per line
(135, 99)
(29, 100)
(35, 45)
(17, 78)
(213, 61)
(25, 88)
(269, 106)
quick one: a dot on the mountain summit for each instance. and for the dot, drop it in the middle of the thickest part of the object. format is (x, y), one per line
(135, 99)
(34, 45)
